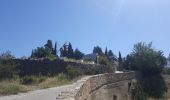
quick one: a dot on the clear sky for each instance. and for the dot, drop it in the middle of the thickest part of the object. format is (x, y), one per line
(117, 24)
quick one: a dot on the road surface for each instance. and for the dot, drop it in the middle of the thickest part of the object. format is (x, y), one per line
(44, 94)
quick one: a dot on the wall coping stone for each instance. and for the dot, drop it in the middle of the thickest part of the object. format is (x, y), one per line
(89, 85)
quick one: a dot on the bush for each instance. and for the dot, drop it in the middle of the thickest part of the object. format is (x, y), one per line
(62, 77)
(137, 92)
(72, 72)
(28, 80)
(7, 69)
(153, 86)
(104, 60)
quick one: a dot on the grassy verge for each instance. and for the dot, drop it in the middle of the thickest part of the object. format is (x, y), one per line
(59, 80)
(7, 88)
(28, 83)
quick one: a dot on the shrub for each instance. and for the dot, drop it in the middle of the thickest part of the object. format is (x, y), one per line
(137, 92)
(153, 86)
(72, 72)
(7, 69)
(62, 77)
(28, 80)
(103, 60)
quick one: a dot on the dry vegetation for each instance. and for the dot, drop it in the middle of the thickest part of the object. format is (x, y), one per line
(30, 83)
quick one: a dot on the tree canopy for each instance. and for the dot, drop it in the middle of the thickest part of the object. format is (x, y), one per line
(146, 59)
(97, 50)
(45, 52)
(7, 55)
(69, 52)
(78, 54)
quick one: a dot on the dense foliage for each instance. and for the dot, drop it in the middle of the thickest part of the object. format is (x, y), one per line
(97, 50)
(45, 52)
(145, 59)
(149, 63)
(69, 52)
(7, 66)
(78, 54)
(103, 60)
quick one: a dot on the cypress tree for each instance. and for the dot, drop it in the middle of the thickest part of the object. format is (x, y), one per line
(120, 61)
(120, 58)
(55, 49)
(106, 53)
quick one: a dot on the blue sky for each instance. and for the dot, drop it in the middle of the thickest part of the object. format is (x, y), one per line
(117, 24)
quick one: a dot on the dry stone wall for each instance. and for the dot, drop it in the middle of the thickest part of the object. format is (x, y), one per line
(109, 86)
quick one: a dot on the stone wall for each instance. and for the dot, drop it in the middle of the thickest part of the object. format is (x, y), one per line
(100, 87)
(47, 67)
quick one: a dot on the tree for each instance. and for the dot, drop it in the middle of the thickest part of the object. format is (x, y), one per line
(49, 45)
(149, 63)
(110, 53)
(120, 58)
(44, 52)
(127, 62)
(7, 65)
(97, 50)
(103, 60)
(146, 59)
(106, 53)
(40, 52)
(67, 51)
(55, 49)
(78, 54)
(70, 51)
(120, 61)
(7, 55)
(63, 51)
